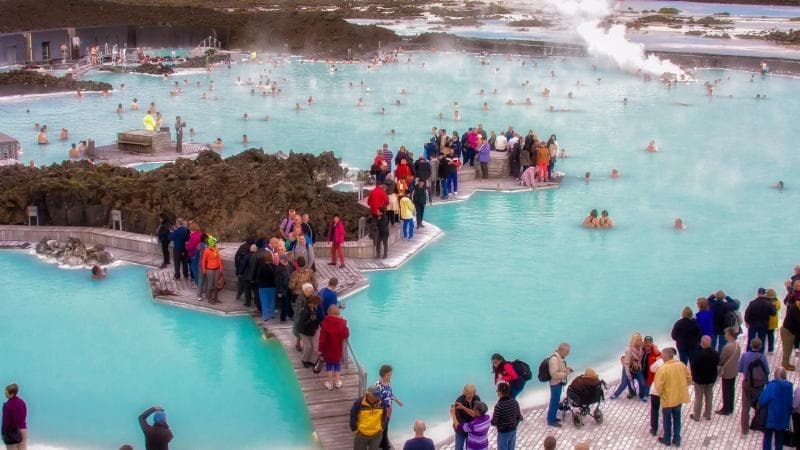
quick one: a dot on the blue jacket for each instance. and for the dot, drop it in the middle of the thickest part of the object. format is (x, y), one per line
(706, 321)
(179, 236)
(719, 309)
(777, 397)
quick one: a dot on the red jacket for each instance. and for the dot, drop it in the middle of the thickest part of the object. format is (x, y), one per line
(332, 334)
(652, 357)
(402, 172)
(377, 200)
(336, 232)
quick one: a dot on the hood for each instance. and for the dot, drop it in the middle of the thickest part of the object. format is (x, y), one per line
(334, 324)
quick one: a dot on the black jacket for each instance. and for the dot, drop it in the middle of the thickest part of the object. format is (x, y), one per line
(242, 257)
(282, 275)
(156, 437)
(792, 320)
(419, 197)
(704, 366)
(719, 309)
(423, 169)
(308, 322)
(443, 168)
(163, 232)
(686, 333)
(265, 275)
(758, 312)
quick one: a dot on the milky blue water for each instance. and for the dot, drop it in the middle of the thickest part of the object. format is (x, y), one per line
(514, 273)
(91, 356)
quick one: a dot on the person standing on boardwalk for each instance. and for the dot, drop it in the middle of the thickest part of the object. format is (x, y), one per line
(265, 276)
(419, 441)
(15, 420)
(559, 371)
(790, 332)
(333, 334)
(163, 238)
(484, 157)
(476, 431)
(704, 375)
(723, 308)
(777, 398)
(407, 216)
(419, 197)
(686, 333)
(283, 295)
(672, 381)
(158, 435)
(367, 419)
(754, 368)
(192, 248)
(773, 320)
(179, 236)
(463, 412)
(336, 237)
(329, 297)
(506, 417)
(308, 324)
(756, 316)
(655, 397)
(388, 399)
(728, 368)
(211, 269)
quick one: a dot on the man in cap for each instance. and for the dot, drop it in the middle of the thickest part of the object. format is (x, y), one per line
(756, 316)
(367, 419)
(158, 435)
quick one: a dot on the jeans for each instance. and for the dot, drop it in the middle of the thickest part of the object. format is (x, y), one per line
(461, 439)
(555, 398)
(515, 388)
(267, 296)
(625, 382)
(756, 332)
(686, 354)
(770, 341)
(507, 440)
(728, 388)
(194, 267)
(672, 424)
(408, 228)
(768, 434)
(717, 342)
(452, 182)
(443, 190)
(655, 411)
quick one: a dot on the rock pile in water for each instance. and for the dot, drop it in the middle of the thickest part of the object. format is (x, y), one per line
(74, 252)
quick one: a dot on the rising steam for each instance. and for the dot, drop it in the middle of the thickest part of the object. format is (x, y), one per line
(586, 17)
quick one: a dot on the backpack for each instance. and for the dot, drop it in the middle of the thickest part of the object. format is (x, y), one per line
(731, 319)
(544, 370)
(523, 369)
(757, 374)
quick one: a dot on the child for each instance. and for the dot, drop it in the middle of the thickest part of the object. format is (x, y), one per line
(407, 211)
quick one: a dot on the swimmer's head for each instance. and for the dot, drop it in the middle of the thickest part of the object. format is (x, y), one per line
(593, 213)
(587, 175)
(604, 213)
(780, 184)
(614, 173)
(678, 223)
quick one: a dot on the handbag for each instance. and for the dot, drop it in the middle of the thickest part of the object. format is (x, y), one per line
(759, 422)
(14, 436)
(319, 365)
(220, 281)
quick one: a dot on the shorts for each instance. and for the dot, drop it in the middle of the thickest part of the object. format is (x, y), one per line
(333, 367)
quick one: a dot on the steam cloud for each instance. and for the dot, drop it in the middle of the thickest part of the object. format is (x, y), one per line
(586, 17)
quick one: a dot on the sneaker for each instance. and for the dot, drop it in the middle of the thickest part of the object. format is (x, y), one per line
(341, 266)
(328, 385)
(332, 264)
(661, 440)
(631, 395)
(554, 424)
(339, 384)
(691, 416)
(789, 368)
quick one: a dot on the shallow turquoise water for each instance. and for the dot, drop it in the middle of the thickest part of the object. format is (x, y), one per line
(91, 356)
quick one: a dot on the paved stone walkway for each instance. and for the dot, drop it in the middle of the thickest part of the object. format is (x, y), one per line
(626, 423)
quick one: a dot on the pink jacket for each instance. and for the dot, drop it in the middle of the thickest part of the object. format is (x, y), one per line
(528, 177)
(192, 243)
(336, 232)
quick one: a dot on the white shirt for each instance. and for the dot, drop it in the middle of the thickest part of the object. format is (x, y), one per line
(500, 143)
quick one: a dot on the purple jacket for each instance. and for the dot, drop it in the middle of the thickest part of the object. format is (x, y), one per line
(484, 154)
(14, 414)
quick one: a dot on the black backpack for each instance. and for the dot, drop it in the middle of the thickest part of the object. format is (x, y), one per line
(757, 374)
(544, 370)
(523, 370)
(732, 320)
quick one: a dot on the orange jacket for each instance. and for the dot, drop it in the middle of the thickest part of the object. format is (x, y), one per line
(211, 259)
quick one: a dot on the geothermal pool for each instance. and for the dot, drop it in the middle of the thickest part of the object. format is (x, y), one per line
(513, 274)
(91, 356)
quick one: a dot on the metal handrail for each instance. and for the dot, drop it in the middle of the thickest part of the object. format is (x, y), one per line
(362, 373)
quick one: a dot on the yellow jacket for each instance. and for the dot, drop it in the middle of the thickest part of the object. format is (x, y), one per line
(369, 418)
(406, 208)
(773, 320)
(672, 383)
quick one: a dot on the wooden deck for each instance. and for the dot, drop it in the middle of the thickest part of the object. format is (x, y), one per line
(110, 154)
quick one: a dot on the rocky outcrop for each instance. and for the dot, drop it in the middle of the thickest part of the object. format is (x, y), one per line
(74, 252)
(230, 198)
(27, 82)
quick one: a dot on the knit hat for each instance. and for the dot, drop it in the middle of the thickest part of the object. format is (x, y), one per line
(212, 241)
(160, 417)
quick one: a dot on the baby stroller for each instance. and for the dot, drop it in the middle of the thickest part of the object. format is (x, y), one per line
(582, 393)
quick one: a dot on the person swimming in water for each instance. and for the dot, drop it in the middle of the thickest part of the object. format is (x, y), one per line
(441, 116)
(246, 117)
(297, 107)
(587, 177)
(73, 152)
(591, 220)
(678, 224)
(397, 102)
(41, 138)
(120, 109)
(546, 92)
(614, 173)
(605, 221)
(485, 106)
(779, 186)
(651, 147)
(63, 135)
(569, 94)
(310, 99)
(218, 144)
(360, 102)
(510, 102)
(244, 139)
(98, 273)
(528, 101)
(382, 111)
(456, 115)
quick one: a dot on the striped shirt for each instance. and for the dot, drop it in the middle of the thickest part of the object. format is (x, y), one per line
(506, 415)
(477, 432)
